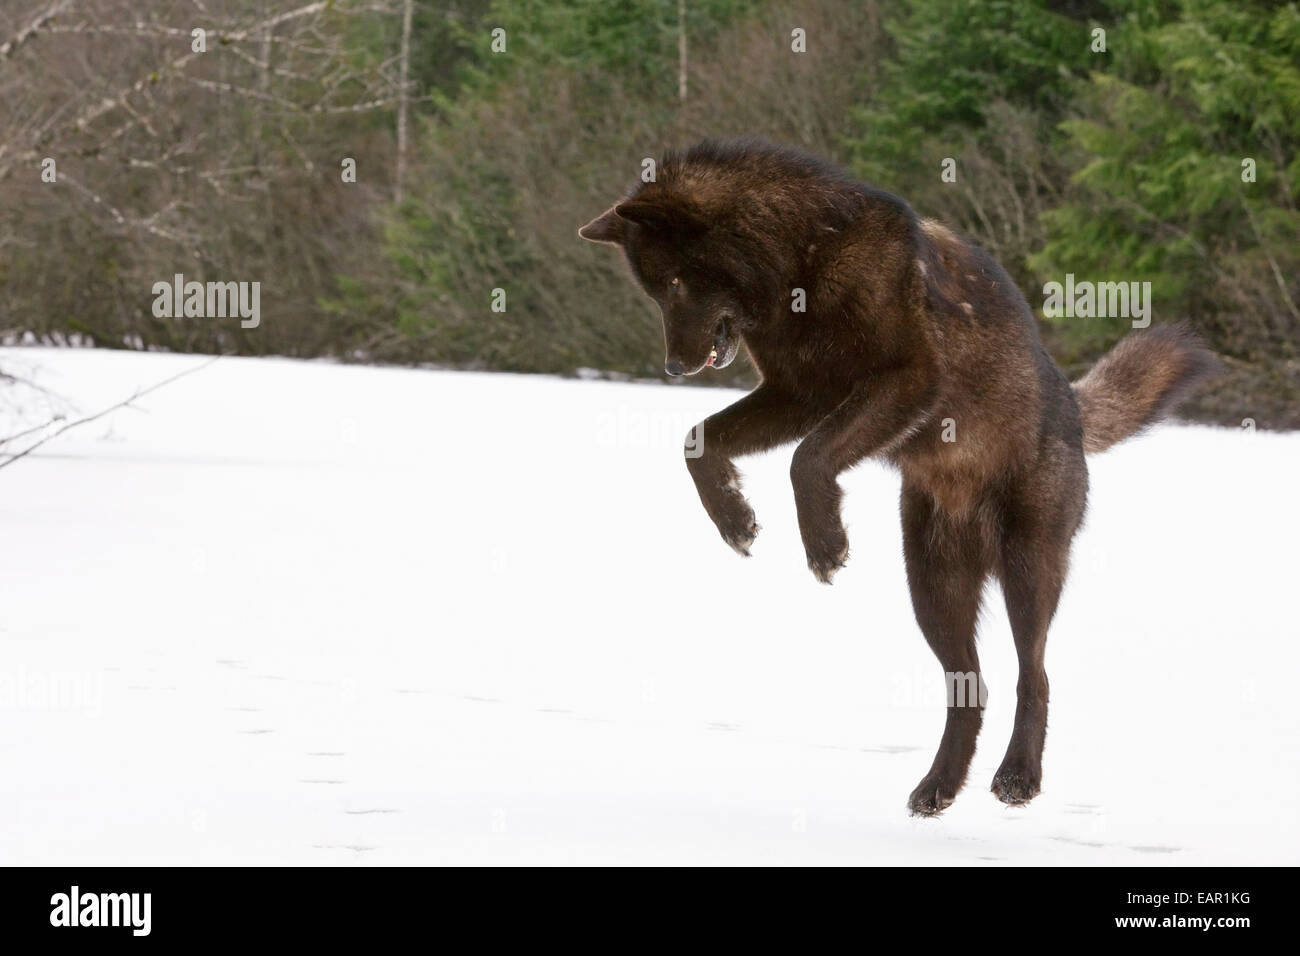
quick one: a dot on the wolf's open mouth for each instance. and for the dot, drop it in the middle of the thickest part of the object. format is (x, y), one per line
(723, 350)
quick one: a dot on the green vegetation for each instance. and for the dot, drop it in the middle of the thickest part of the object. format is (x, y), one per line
(1120, 164)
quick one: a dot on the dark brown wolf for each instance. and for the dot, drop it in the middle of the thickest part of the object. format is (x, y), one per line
(880, 334)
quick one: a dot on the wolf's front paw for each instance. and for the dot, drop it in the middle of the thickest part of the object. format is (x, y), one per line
(736, 523)
(827, 554)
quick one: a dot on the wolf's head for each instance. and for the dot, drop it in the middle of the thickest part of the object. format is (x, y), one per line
(678, 262)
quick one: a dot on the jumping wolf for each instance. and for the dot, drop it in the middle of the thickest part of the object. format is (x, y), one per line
(880, 334)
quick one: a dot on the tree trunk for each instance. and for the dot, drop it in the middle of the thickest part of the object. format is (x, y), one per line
(681, 50)
(403, 100)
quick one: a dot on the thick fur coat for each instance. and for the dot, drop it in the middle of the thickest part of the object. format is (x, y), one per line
(881, 334)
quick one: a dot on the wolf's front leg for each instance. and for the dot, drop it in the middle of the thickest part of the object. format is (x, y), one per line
(763, 419)
(880, 410)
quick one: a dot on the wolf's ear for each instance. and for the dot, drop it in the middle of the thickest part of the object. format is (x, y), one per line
(609, 227)
(661, 212)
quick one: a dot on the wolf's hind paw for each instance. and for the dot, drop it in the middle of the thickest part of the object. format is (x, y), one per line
(1015, 787)
(931, 797)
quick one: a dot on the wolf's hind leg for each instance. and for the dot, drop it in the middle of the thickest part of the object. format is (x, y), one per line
(1034, 561)
(947, 565)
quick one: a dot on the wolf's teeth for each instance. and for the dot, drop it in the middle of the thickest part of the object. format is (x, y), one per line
(713, 354)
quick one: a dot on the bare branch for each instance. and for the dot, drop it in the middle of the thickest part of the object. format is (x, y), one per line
(42, 20)
(100, 414)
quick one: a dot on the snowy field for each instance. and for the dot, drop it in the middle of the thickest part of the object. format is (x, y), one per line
(298, 613)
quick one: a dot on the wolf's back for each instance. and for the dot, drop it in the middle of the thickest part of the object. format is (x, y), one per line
(1140, 381)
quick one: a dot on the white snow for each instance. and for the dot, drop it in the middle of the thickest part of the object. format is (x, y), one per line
(293, 612)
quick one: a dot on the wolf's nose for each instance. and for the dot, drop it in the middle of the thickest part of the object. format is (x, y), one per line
(674, 367)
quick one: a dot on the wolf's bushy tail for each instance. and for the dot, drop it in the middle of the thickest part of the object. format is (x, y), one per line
(1140, 381)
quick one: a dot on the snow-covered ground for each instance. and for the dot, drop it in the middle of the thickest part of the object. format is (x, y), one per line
(287, 612)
